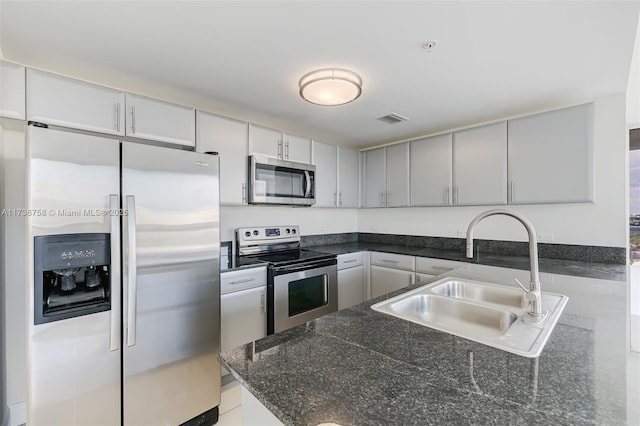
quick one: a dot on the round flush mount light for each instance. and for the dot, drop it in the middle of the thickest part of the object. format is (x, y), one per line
(330, 86)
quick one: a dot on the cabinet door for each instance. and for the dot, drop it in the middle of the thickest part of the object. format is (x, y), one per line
(265, 141)
(297, 148)
(350, 286)
(325, 158)
(153, 119)
(551, 157)
(480, 165)
(375, 182)
(243, 317)
(229, 138)
(12, 87)
(425, 278)
(397, 175)
(62, 101)
(348, 177)
(431, 163)
(385, 280)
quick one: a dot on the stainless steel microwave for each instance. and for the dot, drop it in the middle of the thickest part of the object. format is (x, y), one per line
(274, 181)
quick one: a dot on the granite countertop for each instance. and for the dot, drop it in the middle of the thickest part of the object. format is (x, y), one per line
(358, 366)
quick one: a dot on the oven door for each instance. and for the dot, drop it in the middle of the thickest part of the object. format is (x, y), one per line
(300, 293)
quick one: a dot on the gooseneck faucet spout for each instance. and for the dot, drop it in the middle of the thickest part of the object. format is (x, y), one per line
(533, 293)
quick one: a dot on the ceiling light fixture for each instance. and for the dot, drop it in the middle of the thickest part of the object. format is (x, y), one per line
(330, 86)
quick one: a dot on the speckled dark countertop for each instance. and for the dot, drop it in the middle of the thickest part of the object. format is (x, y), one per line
(361, 367)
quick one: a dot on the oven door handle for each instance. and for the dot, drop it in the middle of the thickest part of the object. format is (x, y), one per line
(281, 270)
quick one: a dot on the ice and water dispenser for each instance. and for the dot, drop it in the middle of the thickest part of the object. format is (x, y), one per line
(71, 276)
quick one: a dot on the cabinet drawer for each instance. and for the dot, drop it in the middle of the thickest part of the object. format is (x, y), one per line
(427, 265)
(243, 279)
(350, 260)
(395, 261)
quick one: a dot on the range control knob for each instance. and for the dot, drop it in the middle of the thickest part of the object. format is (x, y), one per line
(293, 231)
(255, 232)
(247, 234)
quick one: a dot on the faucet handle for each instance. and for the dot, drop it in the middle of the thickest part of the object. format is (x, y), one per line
(529, 295)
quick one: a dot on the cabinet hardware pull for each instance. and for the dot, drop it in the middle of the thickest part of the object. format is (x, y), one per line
(340, 199)
(133, 119)
(446, 195)
(118, 117)
(335, 199)
(350, 261)
(263, 301)
(390, 261)
(387, 199)
(246, 280)
(512, 198)
(455, 195)
(244, 193)
(286, 149)
(381, 198)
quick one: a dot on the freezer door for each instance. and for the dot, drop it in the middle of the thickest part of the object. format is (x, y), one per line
(171, 334)
(73, 364)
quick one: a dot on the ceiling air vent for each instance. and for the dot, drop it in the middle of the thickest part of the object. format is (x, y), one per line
(393, 118)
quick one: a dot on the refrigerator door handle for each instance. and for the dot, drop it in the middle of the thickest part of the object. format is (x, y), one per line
(116, 280)
(131, 270)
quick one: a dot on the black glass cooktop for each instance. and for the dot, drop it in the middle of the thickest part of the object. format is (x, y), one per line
(293, 256)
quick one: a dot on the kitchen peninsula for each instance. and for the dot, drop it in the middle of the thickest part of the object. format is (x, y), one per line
(358, 366)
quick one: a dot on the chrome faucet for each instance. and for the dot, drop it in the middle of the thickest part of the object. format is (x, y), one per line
(533, 294)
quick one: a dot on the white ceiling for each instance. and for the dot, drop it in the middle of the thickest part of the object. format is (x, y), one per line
(492, 59)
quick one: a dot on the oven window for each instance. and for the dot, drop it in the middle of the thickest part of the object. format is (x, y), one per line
(307, 294)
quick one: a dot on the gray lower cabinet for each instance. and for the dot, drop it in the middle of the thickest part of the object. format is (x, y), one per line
(351, 279)
(390, 272)
(243, 311)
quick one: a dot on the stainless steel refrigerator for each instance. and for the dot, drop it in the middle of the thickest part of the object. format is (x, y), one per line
(123, 298)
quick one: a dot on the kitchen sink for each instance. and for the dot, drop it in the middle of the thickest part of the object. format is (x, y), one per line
(491, 314)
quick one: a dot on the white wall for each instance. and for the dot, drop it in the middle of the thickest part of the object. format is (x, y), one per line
(633, 87)
(603, 223)
(312, 220)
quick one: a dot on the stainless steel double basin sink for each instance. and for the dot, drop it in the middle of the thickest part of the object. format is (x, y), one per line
(492, 314)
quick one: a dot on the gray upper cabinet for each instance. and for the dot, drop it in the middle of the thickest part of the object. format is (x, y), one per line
(153, 119)
(348, 177)
(274, 143)
(297, 148)
(480, 165)
(375, 178)
(229, 138)
(387, 176)
(325, 158)
(551, 157)
(67, 102)
(397, 175)
(431, 163)
(12, 97)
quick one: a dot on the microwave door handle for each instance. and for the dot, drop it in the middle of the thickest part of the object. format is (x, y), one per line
(308, 184)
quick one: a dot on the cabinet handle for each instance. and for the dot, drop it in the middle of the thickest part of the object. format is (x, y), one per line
(244, 193)
(446, 195)
(335, 199)
(133, 119)
(455, 195)
(340, 199)
(118, 117)
(245, 280)
(387, 199)
(381, 198)
(511, 189)
(350, 261)
(286, 150)
(390, 261)
(263, 301)
(280, 149)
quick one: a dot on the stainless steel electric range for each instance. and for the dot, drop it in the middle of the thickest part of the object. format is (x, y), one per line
(302, 284)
